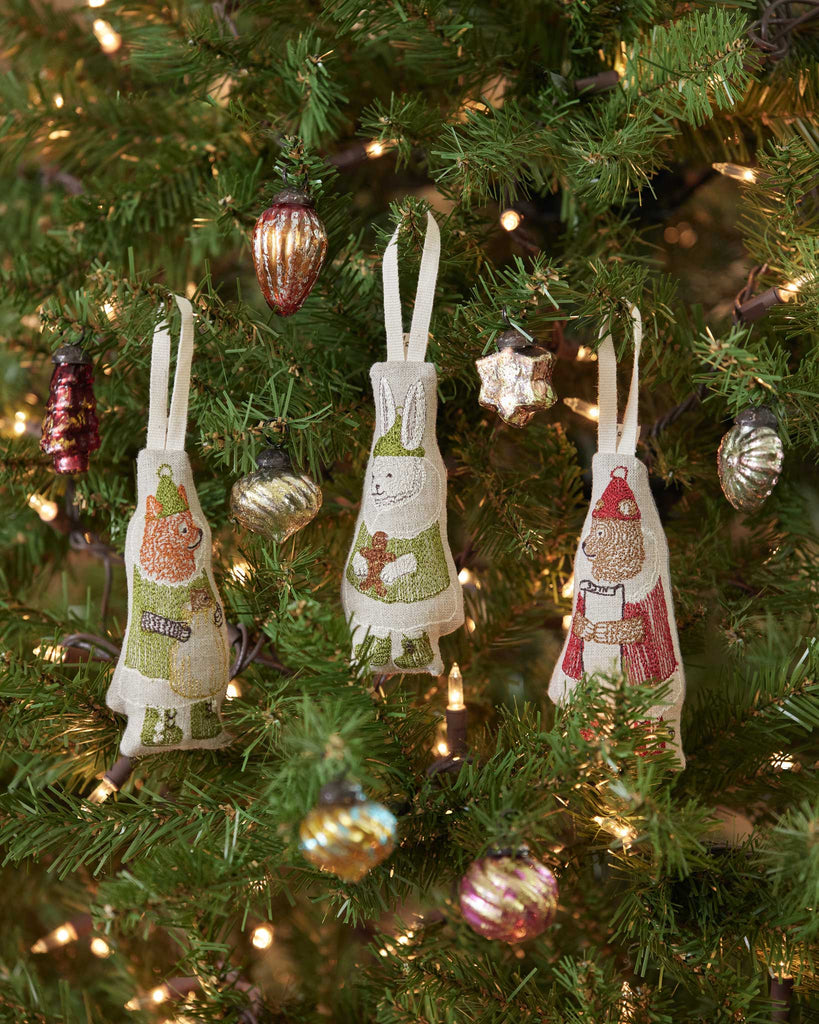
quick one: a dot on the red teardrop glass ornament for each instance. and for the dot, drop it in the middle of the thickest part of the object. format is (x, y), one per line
(289, 247)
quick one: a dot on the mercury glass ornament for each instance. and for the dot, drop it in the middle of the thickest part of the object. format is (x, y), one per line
(750, 459)
(508, 896)
(70, 428)
(516, 380)
(289, 247)
(274, 501)
(347, 834)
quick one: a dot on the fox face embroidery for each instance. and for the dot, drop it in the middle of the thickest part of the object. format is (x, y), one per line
(168, 551)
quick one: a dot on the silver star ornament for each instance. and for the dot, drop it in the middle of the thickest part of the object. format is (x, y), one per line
(516, 380)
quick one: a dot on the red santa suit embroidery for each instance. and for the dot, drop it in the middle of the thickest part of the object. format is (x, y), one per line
(637, 633)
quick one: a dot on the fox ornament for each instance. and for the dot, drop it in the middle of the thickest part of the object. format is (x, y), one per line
(623, 615)
(172, 674)
(400, 589)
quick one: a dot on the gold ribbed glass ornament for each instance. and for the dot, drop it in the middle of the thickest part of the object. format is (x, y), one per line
(274, 501)
(750, 459)
(347, 834)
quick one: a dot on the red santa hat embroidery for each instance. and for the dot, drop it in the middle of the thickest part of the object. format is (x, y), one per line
(617, 501)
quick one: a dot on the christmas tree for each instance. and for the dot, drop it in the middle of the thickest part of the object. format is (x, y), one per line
(582, 161)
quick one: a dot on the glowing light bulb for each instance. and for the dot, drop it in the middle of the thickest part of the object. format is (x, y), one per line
(455, 688)
(262, 936)
(105, 788)
(738, 172)
(567, 590)
(49, 653)
(510, 220)
(109, 40)
(471, 625)
(466, 576)
(97, 3)
(59, 133)
(618, 828)
(375, 149)
(58, 100)
(240, 571)
(155, 997)
(233, 690)
(567, 623)
(789, 290)
(100, 948)
(783, 761)
(585, 354)
(45, 508)
(583, 408)
(442, 748)
(59, 937)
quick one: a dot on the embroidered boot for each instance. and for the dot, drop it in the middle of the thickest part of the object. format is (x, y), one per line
(205, 721)
(417, 652)
(375, 649)
(159, 728)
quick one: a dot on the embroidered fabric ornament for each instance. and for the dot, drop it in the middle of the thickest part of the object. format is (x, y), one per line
(173, 671)
(623, 615)
(400, 590)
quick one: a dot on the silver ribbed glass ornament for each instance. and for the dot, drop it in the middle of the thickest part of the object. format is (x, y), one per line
(274, 501)
(750, 459)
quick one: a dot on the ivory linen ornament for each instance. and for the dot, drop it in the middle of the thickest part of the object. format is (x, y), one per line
(173, 671)
(623, 615)
(400, 589)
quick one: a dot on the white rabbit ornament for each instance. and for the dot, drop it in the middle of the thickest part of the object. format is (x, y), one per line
(400, 589)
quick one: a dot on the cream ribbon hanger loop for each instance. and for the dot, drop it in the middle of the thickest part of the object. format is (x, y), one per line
(607, 394)
(166, 431)
(416, 347)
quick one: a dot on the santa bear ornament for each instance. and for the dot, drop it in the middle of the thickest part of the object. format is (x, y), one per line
(623, 616)
(173, 672)
(400, 589)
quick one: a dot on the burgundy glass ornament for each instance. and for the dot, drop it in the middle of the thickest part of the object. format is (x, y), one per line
(508, 896)
(70, 427)
(289, 247)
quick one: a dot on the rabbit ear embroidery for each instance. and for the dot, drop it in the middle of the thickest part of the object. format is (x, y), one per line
(387, 406)
(414, 416)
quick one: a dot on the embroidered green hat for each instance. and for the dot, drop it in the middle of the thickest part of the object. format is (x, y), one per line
(171, 498)
(391, 443)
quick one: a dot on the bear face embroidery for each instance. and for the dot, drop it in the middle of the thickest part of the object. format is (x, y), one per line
(615, 548)
(170, 541)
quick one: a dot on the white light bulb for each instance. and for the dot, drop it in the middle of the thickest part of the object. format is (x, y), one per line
(510, 220)
(262, 936)
(109, 40)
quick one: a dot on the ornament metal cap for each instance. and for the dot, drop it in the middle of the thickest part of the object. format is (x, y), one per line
(521, 852)
(520, 342)
(760, 416)
(294, 196)
(275, 460)
(72, 355)
(513, 338)
(341, 792)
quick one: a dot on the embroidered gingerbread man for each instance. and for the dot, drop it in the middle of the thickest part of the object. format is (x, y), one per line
(376, 557)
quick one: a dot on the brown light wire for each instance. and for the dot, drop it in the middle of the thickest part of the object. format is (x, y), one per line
(773, 32)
